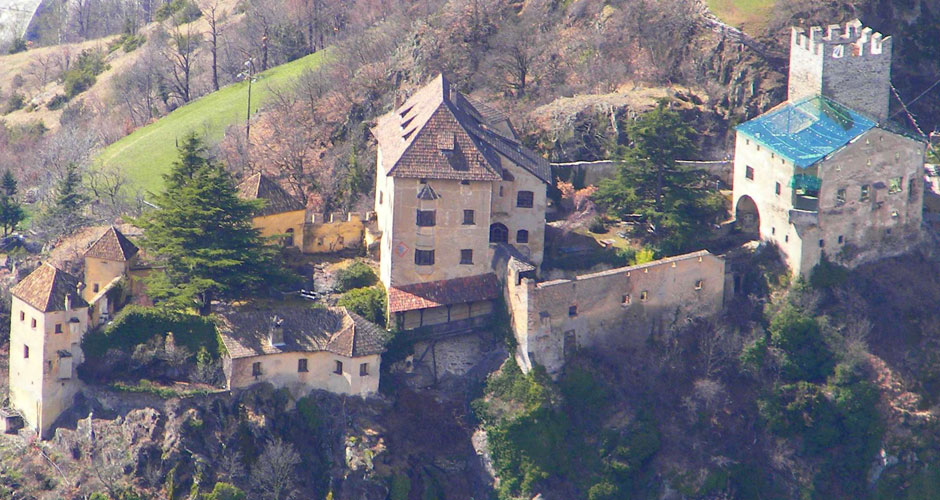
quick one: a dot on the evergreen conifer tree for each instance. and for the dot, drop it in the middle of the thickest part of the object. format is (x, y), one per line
(11, 213)
(202, 233)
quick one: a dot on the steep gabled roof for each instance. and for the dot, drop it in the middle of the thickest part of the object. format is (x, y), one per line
(46, 289)
(443, 292)
(244, 331)
(112, 245)
(439, 133)
(276, 200)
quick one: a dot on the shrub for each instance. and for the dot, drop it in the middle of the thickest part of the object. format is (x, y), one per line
(357, 275)
(82, 75)
(136, 325)
(827, 274)
(604, 490)
(14, 102)
(400, 487)
(18, 45)
(183, 11)
(309, 412)
(225, 491)
(597, 225)
(806, 355)
(366, 302)
(57, 102)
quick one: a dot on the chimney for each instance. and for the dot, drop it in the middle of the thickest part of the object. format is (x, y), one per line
(276, 332)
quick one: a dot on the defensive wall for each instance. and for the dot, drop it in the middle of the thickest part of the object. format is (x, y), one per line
(609, 309)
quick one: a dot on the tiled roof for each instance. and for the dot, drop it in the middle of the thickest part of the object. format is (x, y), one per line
(46, 289)
(305, 328)
(439, 134)
(443, 292)
(112, 245)
(276, 200)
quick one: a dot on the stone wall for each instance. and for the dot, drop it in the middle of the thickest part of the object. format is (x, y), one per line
(610, 309)
(281, 370)
(850, 64)
(333, 232)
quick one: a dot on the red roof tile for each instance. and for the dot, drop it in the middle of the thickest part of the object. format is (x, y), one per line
(276, 200)
(443, 292)
(112, 245)
(46, 289)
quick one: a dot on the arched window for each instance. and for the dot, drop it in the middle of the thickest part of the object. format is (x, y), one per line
(289, 240)
(522, 236)
(525, 199)
(499, 233)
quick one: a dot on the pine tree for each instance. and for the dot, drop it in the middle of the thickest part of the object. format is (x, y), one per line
(8, 184)
(203, 234)
(11, 213)
(66, 212)
(674, 199)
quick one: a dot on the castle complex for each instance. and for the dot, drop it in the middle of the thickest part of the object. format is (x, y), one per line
(822, 175)
(460, 216)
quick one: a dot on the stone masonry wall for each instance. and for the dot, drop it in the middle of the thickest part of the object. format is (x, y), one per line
(612, 308)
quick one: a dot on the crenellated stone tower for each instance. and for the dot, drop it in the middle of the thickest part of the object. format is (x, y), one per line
(850, 66)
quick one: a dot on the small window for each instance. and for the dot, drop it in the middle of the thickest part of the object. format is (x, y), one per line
(747, 142)
(94, 288)
(363, 369)
(424, 257)
(822, 243)
(58, 327)
(786, 239)
(22, 315)
(501, 191)
(573, 311)
(699, 284)
(468, 217)
(894, 185)
(464, 182)
(777, 189)
(525, 199)
(911, 189)
(25, 351)
(888, 231)
(644, 295)
(625, 300)
(339, 368)
(749, 173)
(33, 323)
(289, 240)
(466, 256)
(302, 365)
(841, 239)
(422, 181)
(426, 218)
(865, 193)
(840, 197)
(522, 236)
(256, 369)
(773, 230)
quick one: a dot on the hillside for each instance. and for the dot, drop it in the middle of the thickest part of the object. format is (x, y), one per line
(147, 153)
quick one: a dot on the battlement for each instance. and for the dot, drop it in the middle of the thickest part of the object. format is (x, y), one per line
(854, 40)
(337, 217)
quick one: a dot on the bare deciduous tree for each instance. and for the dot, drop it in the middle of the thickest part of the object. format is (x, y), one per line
(272, 476)
(181, 54)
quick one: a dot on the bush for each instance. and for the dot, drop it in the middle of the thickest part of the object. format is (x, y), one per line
(183, 11)
(806, 355)
(400, 487)
(827, 274)
(57, 102)
(366, 302)
(357, 275)
(309, 412)
(83, 73)
(225, 491)
(597, 225)
(136, 325)
(14, 102)
(604, 490)
(18, 45)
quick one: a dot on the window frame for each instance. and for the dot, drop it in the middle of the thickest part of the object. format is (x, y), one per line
(424, 257)
(864, 192)
(338, 367)
(466, 258)
(421, 218)
(471, 220)
(749, 172)
(841, 195)
(525, 199)
(363, 369)
(572, 311)
(58, 328)
(256, 369)
(302, 365)
(522, 236)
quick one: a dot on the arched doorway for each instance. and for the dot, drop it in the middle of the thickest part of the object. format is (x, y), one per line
(499, 233)
(747, 217)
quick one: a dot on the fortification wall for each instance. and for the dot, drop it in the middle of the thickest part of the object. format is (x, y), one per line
(327, 233)
(611, 309)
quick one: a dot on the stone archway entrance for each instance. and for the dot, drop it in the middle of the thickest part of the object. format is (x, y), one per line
(747, 217)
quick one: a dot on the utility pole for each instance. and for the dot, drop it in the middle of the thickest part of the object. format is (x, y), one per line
(248, 115)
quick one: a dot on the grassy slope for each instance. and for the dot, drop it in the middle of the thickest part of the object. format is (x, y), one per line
(749, 14)
(147, 153)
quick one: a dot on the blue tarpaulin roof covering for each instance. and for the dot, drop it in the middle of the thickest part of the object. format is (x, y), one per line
(807, 130)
